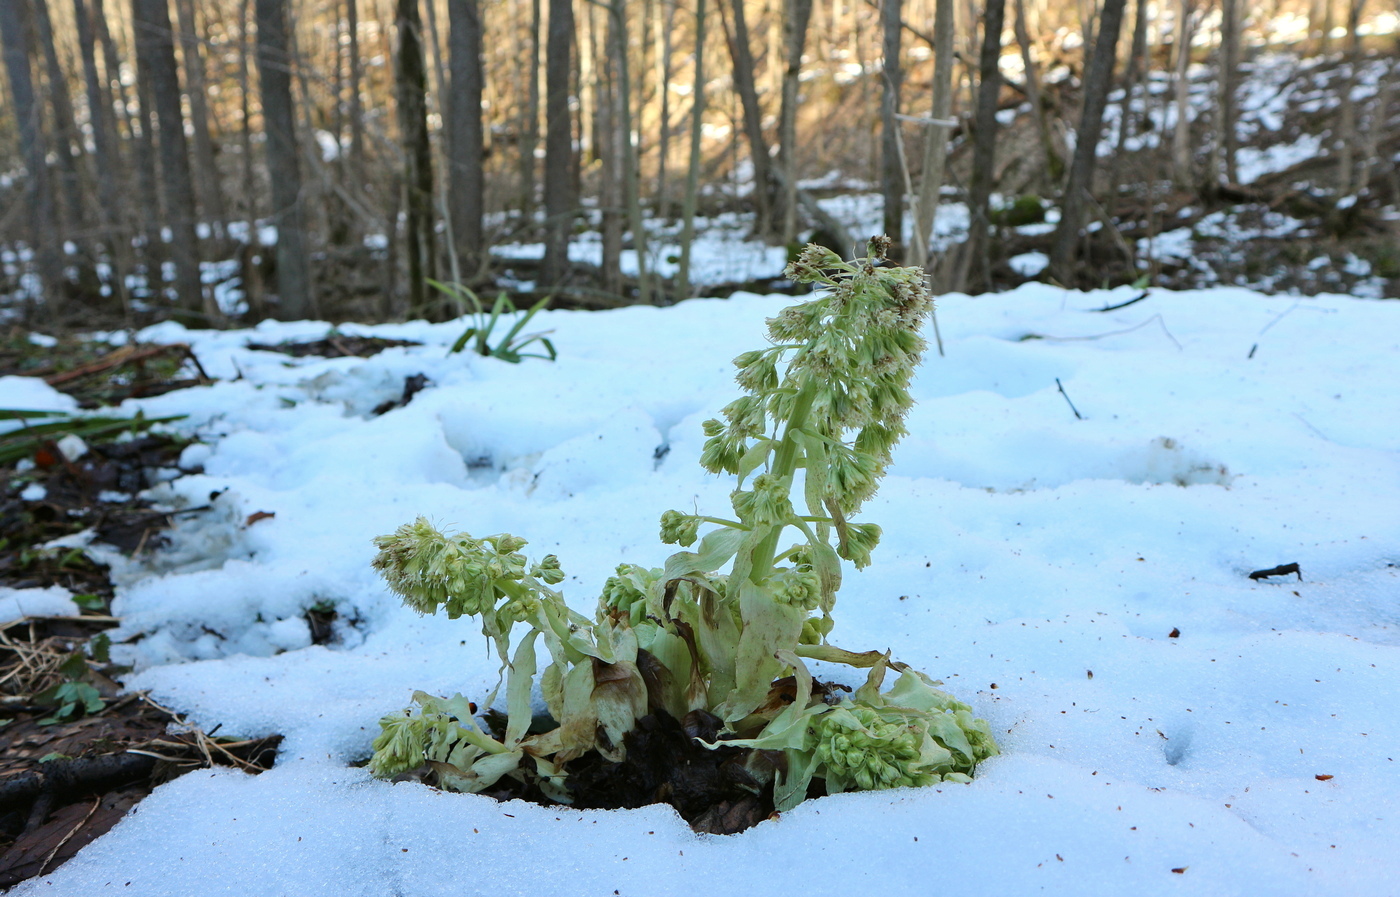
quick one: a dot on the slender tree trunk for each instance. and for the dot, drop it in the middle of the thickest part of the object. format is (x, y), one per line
(796, 16)
(1182, 163)
(631, 174)
(665, 26)
(530, 129)
(275, 77)
(44, 230)
(1054, 165)
(979, 191)
(892, 156)
(741, 55)
(935, 133)
(211, 194)
(1226, 138)
(411, 80)
(155, 51)
(1346, 128)
(692, 173)
(1127, 117)
(67, 143)
(466, 140)
(355, 83)
(106, 158)
(1097, 81)
(607, 148)
(559, 143)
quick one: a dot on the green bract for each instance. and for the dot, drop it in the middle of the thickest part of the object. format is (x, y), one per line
(727, 625)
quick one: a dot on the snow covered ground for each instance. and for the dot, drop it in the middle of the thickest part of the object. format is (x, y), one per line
(1168, 725)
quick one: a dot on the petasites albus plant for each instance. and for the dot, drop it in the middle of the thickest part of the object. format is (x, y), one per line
(727, 628)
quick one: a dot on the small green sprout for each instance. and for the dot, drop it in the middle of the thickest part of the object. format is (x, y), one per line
(478, 336)
(729, 626)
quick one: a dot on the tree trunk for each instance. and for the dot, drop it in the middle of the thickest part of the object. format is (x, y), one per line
(1226, 138)
(466, 140)
(106, 157)
(631, 175)
(354, 80)
(411, 81)
(155, 52)
(210, 191)
(530, 129)
(979, 191)
(935, 133)
(1097, 81)
(558, 143)
(692, 173)
(1127, 118)
(665, 26)
(796, 16)
(892, 155)
(1182, 163)
(741, 55)
(275, 77)
(67, 143)
(1054, 165)
(607, 151)
(44, 231)
(1346, 128)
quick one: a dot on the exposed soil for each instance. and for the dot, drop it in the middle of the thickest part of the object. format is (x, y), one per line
(75, 754)
(336, 346)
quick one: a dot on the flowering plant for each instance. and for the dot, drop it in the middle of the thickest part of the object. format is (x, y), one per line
(727, 628)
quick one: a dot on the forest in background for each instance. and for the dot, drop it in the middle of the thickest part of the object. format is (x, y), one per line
(332, 158)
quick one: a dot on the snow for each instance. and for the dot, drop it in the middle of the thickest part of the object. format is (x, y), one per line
(1082, 583)
(16, 604)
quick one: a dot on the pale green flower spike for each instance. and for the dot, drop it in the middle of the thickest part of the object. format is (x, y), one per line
(726, 622)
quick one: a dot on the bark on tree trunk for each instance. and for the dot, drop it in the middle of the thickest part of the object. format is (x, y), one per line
(631, 175)
(1097, 81)
(106, 158)
(412, 82)
(559, 143)
(466, 140)
(211, 194)
(1346, 128)
(155, 51)
(354, 79)
(1054, 165)
(275, 77)
(692, 174)
(935, 134)
(67, 143)
(741, 55)
(1127, 117)
(796, 15)
(1226, 138)
(44, 230)
(892, 156)
(530, 131)
(979, 191)
(1182, 167)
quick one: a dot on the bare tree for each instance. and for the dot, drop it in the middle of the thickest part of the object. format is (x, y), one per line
(559, 142)
(106, 155)
(44, 230)
(692, 174)
(741, 55)
(1226, 144)
(155, 53)
(935, 133)
(466, 140)
(796, 16)
(1097, 81)
(69, 149)
(1346, 128)
(275, 77)
(984, 133)
(892, 154)
(209, 190)
(411, 82)
(1182, 168)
